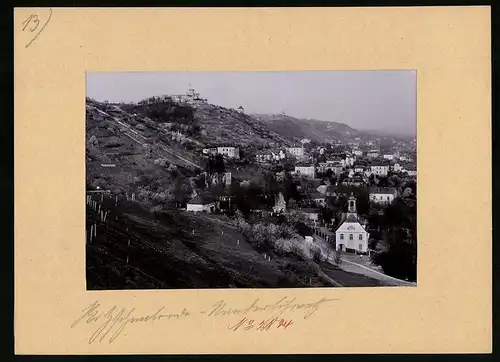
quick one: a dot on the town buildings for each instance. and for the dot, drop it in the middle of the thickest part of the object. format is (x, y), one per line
(383, 195)
(307, 171)
(296, 151)
(203, 203)
(379, 168)
(227, 151)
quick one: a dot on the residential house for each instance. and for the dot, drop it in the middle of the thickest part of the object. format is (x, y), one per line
(263, 157)
(373, 153)
(411, 170)
(227, 151)
(230, 152)
(311, 213)
(308, 171)
(397, 167)
(296, 151)
(334, 166)
(389, 157)
(379, 168)
(357, 152)
(318, 198)
(383, 195)
(359, 168)
(204, 203)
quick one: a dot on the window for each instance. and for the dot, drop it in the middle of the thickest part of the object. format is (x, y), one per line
(360, 236)
(360, 246)
(341, 236)
(351, 237)
(387, 198)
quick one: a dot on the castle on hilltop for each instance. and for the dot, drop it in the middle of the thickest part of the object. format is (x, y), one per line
(191, 97)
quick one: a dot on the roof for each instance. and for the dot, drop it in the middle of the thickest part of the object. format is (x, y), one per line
(351, 218)
(202, 200)
(316, 195)
(382, 190)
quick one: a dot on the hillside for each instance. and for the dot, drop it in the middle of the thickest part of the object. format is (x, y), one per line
(299, 128)
(136, 248)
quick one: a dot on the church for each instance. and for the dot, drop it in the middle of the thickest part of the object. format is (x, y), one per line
(351, 235)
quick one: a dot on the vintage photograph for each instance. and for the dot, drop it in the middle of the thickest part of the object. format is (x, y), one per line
(278, 179)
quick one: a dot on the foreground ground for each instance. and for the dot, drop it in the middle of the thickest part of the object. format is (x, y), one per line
(139, 249)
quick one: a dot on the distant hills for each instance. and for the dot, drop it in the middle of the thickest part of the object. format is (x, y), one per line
(315, 130)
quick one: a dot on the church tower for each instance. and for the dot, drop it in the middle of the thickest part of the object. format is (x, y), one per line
(351, 205)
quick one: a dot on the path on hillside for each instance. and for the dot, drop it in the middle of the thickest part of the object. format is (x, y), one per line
(129, 127)
(353, 267)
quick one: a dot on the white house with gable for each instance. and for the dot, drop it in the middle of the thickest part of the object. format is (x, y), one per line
(351, 235)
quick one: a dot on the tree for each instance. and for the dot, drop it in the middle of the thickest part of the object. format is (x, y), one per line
(316, 254)
(182, 190)
(337, 258)
(326, 214)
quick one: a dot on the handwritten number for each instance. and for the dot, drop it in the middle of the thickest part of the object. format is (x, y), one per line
(27, 21)
(35, 22)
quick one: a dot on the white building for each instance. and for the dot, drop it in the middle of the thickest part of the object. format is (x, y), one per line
(308, 171)
(373, 153)
(379, 169)
(357, 152)
(359, 169)
(411, 170)
(200, 203)
(231, 152)
(311, 213)
(351, 235)
(383, 195)
(388, 157)
(296, 151)
(397, 167)
(263, 157)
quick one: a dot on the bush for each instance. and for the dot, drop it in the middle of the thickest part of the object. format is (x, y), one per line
(316, 254)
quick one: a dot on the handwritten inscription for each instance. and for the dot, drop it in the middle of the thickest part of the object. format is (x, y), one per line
(112, 322)
(283, 305)
(32, 23)
(264, 325)
(109, 323)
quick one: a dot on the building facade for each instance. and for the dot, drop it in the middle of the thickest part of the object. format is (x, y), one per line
(296, 151)
(379, 169)
(351, 235)
(383, 195)
(308, 171)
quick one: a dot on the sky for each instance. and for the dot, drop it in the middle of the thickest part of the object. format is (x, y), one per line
(377, 100)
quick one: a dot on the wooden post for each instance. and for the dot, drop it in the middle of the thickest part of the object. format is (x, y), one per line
(91, 232)
(102, 197)
(238, 242)
(128, 242)
(99, 209)
(127, 258)
(95, 230)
